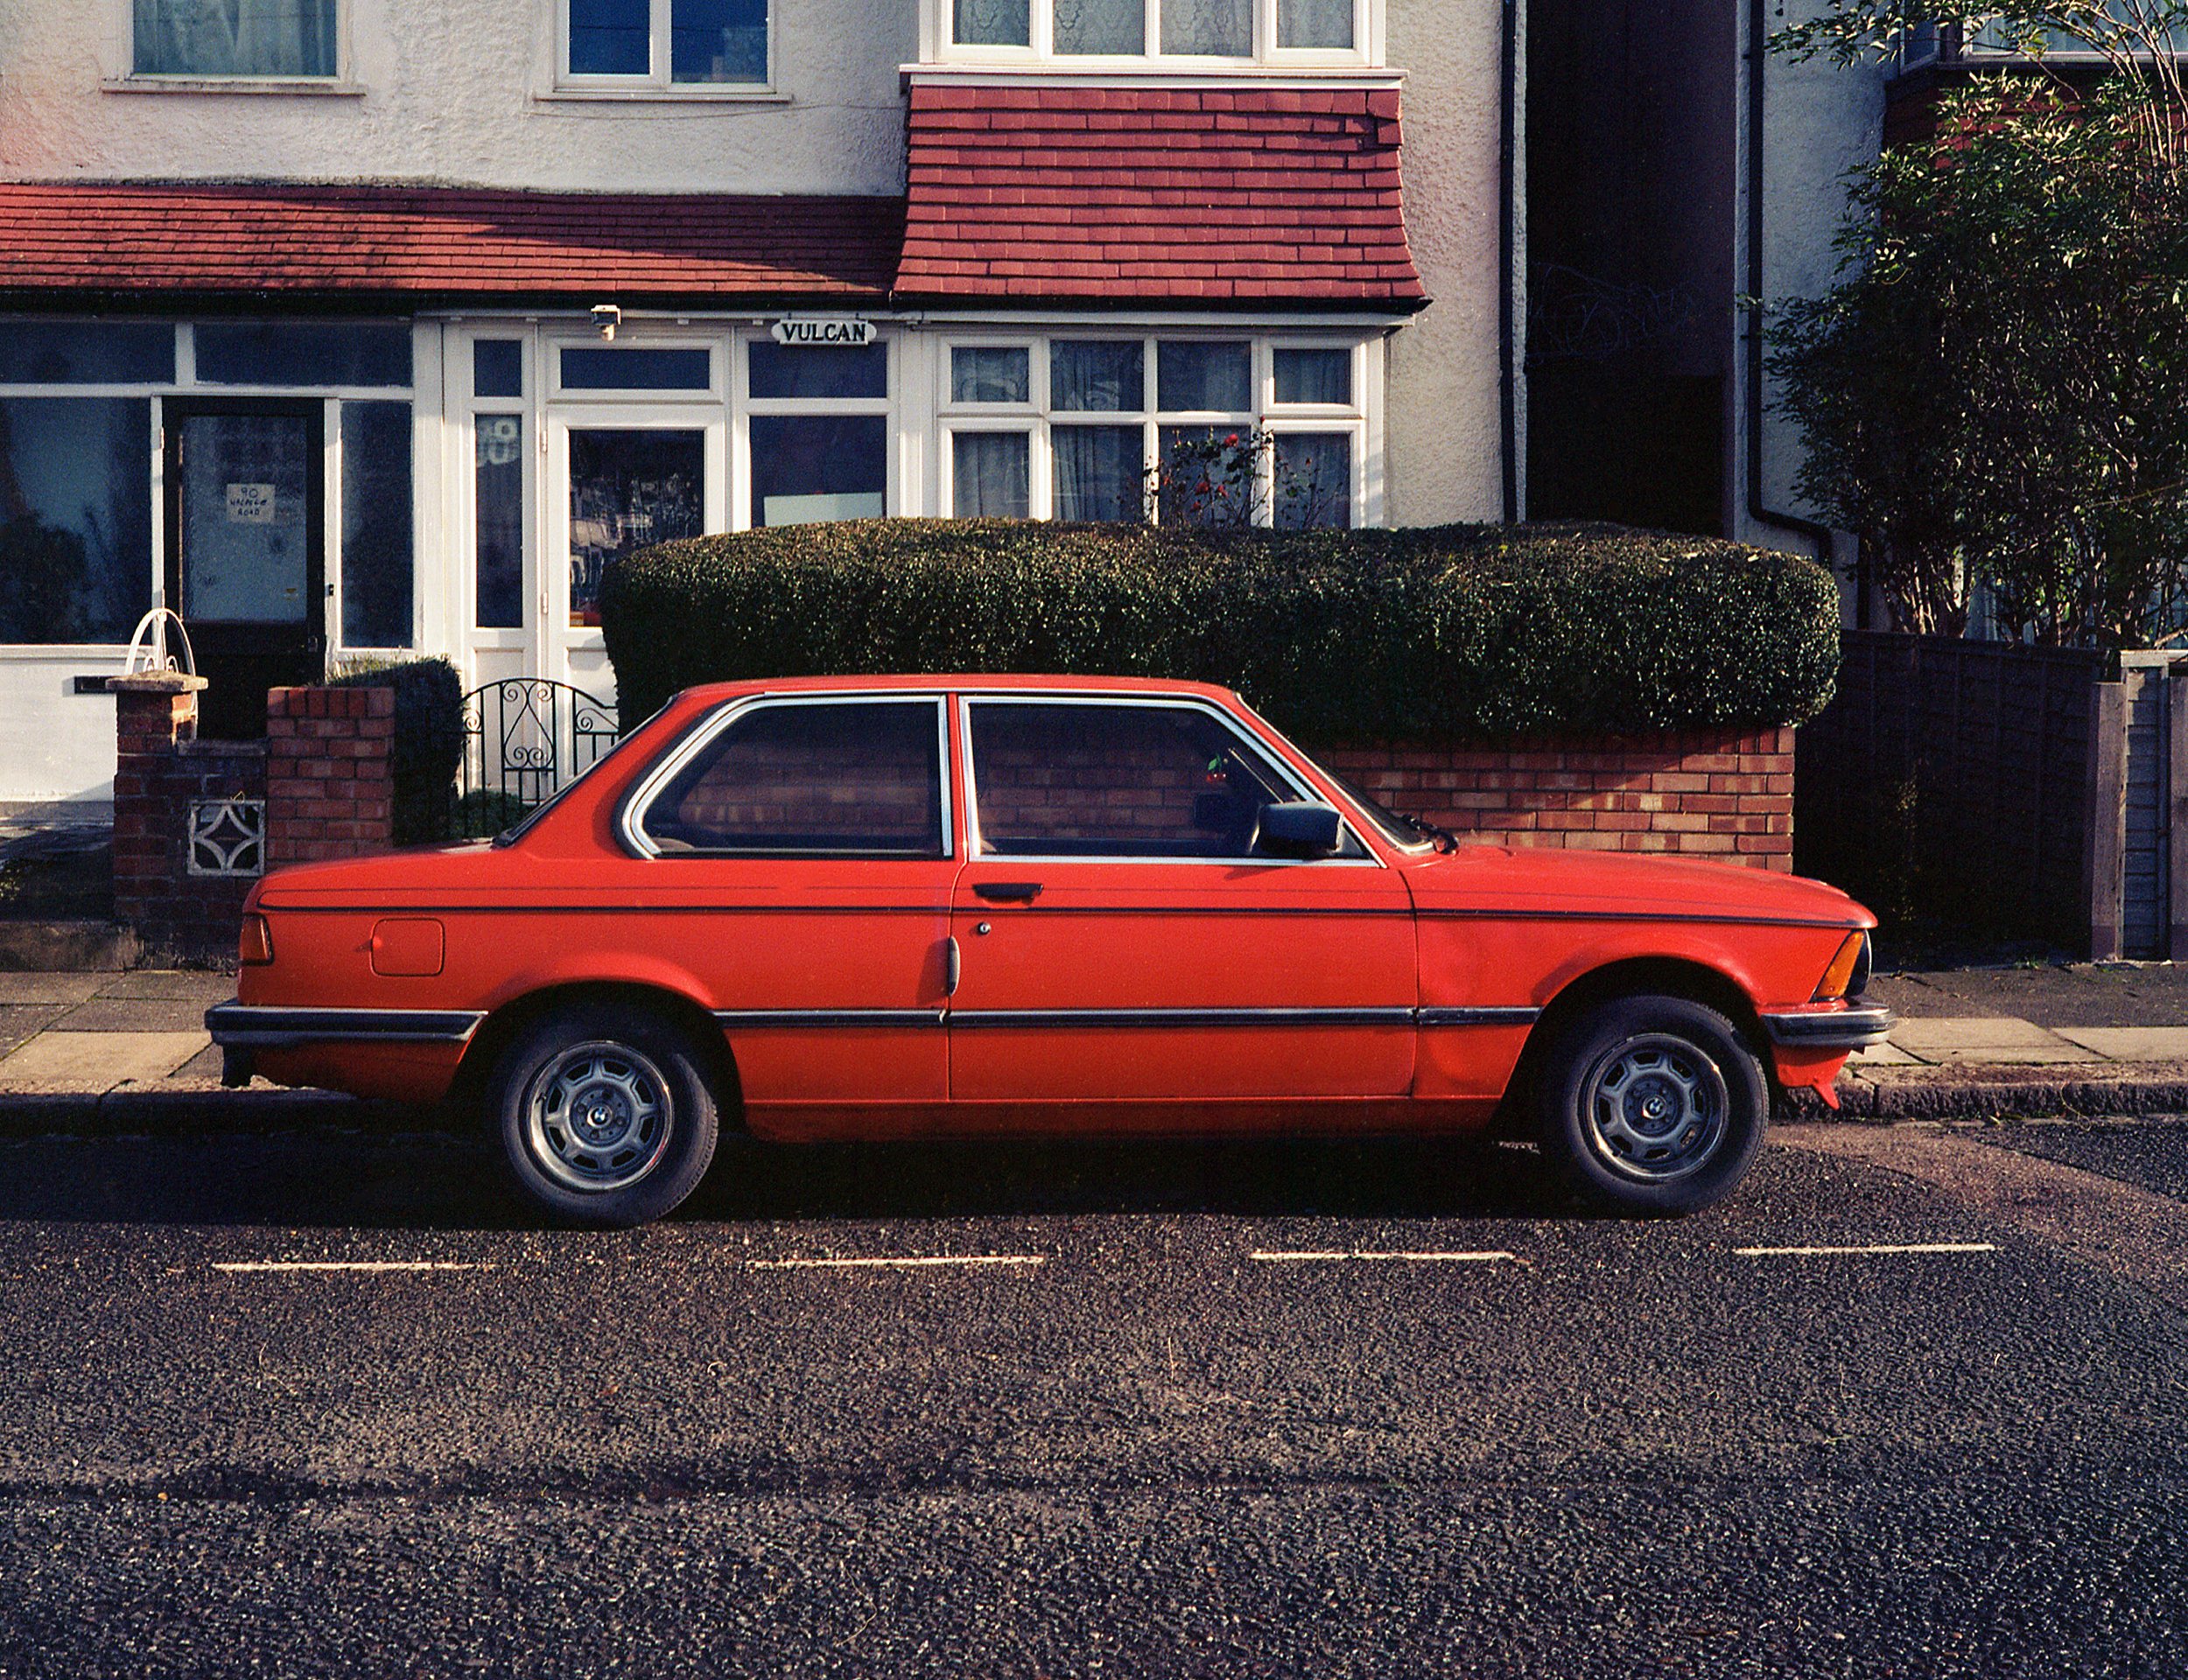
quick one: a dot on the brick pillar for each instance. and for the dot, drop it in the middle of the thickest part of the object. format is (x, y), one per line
(330, 773)
(154, 714)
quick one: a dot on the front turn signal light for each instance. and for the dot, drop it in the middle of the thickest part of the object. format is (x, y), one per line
(1840, 974)
(255, 947)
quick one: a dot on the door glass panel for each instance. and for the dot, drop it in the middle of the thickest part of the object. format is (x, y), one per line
(500, 520)
(812, 781)
(75, 518)
(628, 490)
(377, 520)
(811, 469)
(497, 367)
(1116, 781)
(245, 517)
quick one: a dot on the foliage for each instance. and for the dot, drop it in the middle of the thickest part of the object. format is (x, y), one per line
(1996, 394)
(43, 574)
(1459, 632)
(1235, 480)
(429, 739)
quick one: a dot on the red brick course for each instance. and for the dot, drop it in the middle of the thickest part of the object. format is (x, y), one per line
(161, 770)
(330, 775)
(1695, 793)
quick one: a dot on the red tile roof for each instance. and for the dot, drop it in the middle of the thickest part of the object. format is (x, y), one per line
(419, 243)
(1136, 194)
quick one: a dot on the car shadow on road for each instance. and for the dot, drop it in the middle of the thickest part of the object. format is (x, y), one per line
(436, 1181)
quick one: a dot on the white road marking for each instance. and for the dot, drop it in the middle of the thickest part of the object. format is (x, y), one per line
(905, 1262)
(350, 1265)
(1881, 1248)
(1456, 1257)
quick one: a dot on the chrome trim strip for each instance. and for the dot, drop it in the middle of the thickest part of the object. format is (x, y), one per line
(273, 1027)
(1187, 1017)
(1442, 914)
(732, 1020)
(1830, 1029)
(1499, 1017)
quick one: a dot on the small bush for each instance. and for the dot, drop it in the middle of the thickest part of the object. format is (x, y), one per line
(429, 739)
(1457, 633)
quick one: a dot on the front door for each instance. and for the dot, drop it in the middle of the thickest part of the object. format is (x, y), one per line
(1121, 941)
(246, 550)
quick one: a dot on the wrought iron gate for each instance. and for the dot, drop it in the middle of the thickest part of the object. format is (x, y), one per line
(524, 739)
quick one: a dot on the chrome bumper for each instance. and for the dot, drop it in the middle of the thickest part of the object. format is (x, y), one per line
(262, 1027)
(1830, 1029)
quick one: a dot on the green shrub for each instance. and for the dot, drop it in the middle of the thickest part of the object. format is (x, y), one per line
(1461, 631)
(429, 739)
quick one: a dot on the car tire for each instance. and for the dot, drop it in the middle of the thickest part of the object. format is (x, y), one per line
(606, 1113)
(1652, 1105)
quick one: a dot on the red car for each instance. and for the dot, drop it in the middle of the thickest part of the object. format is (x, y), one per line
(979, 906)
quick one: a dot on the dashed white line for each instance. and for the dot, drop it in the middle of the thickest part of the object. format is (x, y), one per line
(350, 1265)
(1877, 1248)
(1482, 1256)
(905, 1262)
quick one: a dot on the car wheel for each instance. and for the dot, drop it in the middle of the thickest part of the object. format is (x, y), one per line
(1654, 1105)
(606, 1115)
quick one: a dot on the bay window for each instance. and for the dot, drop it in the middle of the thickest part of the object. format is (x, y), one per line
(1243, 29)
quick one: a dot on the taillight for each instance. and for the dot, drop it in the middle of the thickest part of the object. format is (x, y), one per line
(1839, 977)
(256, 946)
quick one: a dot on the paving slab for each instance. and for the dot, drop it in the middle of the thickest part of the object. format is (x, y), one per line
(2085, 994)
(171, 985)
(2131, 1043)
(1881, 1056)
(19, 1021)
(205, 1066)
(133, 1015)
(97, 1061)
(1985, 1039)
(48, 987)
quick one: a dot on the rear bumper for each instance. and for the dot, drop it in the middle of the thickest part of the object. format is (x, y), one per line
(1834, 1026)
(249, 1026)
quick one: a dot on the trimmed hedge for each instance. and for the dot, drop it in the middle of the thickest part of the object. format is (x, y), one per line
(429, 739)
(1461, 631)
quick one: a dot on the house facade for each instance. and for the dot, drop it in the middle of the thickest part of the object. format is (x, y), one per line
(379, 327)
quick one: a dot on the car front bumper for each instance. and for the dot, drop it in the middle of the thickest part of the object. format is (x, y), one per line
(1835, 1026)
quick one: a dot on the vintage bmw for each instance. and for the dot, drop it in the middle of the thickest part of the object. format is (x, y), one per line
(912, 907)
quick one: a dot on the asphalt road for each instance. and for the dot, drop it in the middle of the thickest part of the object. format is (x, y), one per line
(1146, 1437)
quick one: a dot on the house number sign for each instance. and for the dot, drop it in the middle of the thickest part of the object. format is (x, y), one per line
(813, 332)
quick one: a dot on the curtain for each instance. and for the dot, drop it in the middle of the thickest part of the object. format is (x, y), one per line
(1222, 28)
(993, 22)
(1097, 377)
(992, 475)
(1313, 480)
(1108, 26)
(980, 374)
(1314, 376)
(1315, 23)
(1194, 378)
(1101, 473)
(236, 37)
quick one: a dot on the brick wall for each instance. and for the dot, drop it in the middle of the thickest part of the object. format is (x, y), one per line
(1696, 794)
(330, 778)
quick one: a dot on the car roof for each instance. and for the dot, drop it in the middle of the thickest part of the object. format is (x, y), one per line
(982, 682)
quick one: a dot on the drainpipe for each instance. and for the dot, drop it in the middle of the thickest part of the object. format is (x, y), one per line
(1508, 233)
(1759, 510)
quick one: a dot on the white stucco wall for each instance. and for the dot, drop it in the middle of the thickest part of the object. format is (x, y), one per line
(460, 91)
(1445, 458)
(56, 744)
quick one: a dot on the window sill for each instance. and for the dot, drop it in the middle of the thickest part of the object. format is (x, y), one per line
(1213, 73)
(310, 86)
(661, 96)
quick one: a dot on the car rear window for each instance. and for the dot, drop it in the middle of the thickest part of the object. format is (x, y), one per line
(814, 779)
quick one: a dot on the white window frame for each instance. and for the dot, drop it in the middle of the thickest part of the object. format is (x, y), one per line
(1038, 417)
(655, 83)
(1366, 52)
(133, 81)
(747, 409)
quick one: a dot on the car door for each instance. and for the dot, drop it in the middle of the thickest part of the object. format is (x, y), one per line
(799, 852)
(1119, 939)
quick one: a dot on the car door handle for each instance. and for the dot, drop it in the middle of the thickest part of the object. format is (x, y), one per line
(953, 968)
(1008, 892)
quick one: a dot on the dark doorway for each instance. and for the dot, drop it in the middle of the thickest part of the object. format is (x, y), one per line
(246, 550)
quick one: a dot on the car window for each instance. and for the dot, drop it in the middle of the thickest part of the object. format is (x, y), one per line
(810, 779)
(1114, 780)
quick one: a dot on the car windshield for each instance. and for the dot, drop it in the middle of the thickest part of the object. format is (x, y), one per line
(1394, 827)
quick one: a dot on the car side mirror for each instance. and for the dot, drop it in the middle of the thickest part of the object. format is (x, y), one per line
(1302, 830)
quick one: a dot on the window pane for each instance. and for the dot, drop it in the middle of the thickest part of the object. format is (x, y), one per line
(991, 375)
(376, 518)
(718, 40)
(1202, 378)
(75, 518)
(1101, 473)
(1208, 477)
(1220, 28)
(1314, 376)
(610, 38)
(501, 519)
(992, 475)
(590, 368)
(1315, 23)
(87, 353)
(305, 353)
(859, 781)
(1101, 26)
(248, 522)
(810, 469)
(1097, 377)
(842, 372)
(1313, 480)
(1116, 781)
(993, 22)
(236, 37)
(628, 490)
(497, 367)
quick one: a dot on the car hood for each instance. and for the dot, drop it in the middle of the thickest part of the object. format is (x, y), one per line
(1612, 884)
